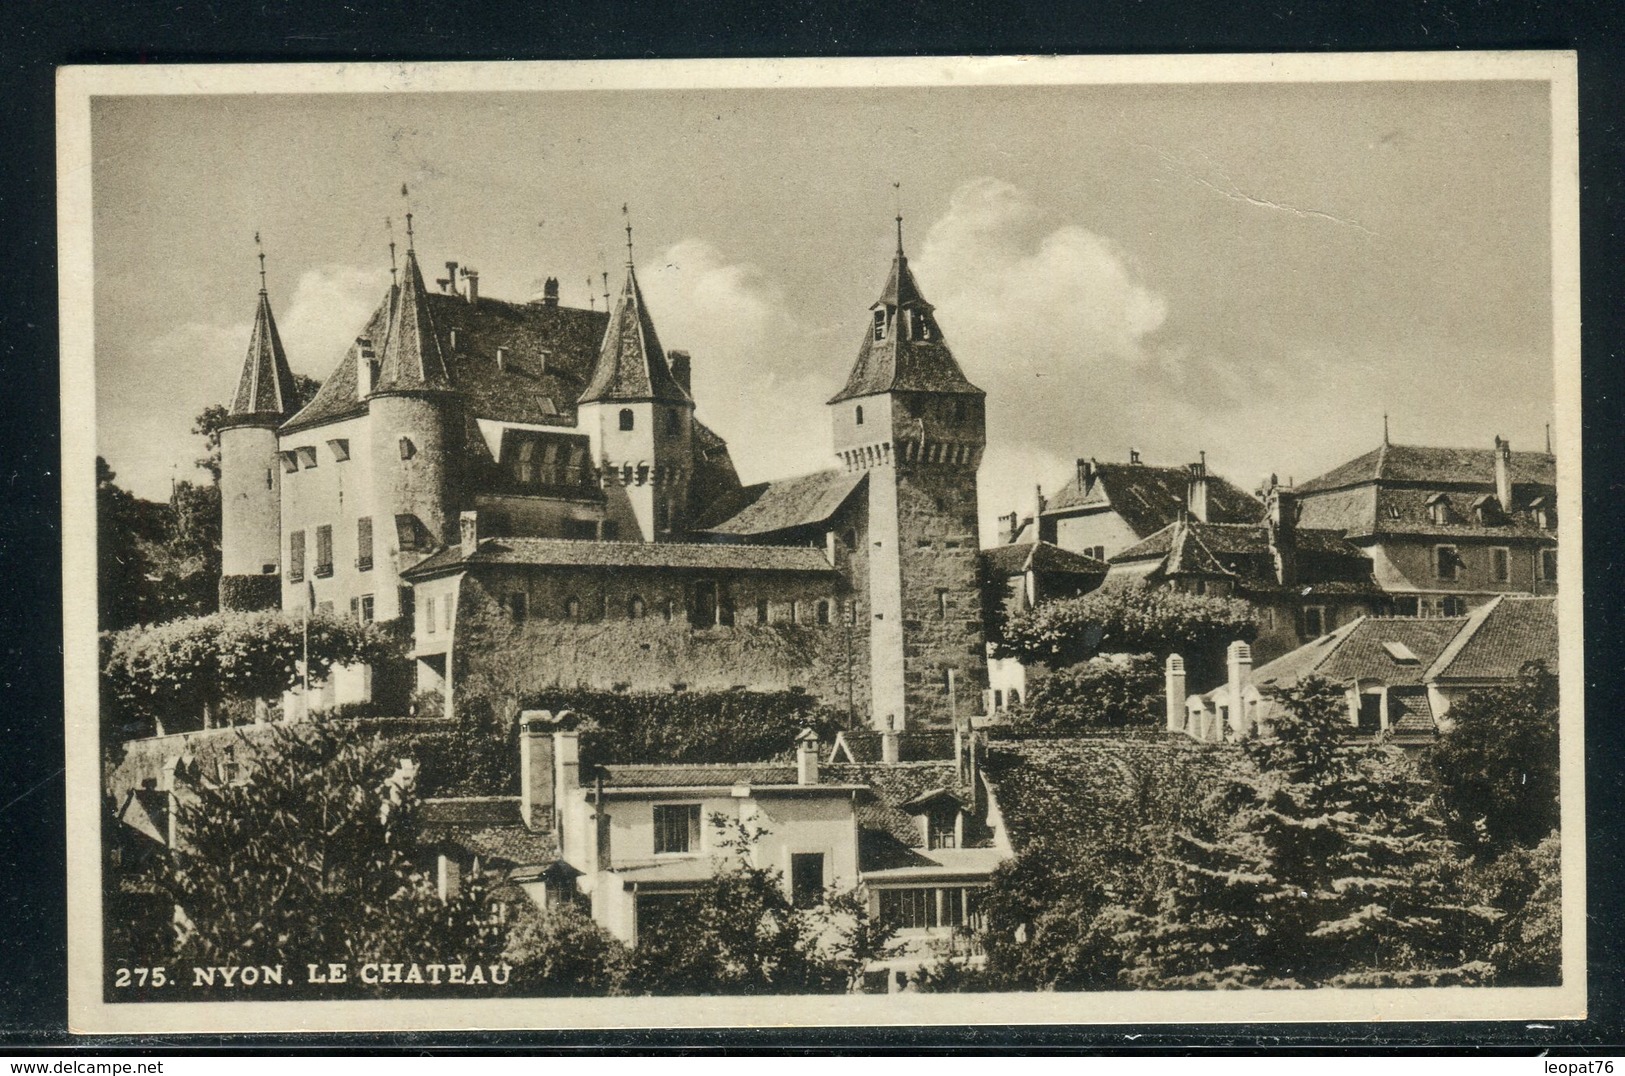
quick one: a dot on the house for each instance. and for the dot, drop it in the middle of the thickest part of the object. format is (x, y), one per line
(1447, 529)
(1401, 674)
(1303, 580)
(522, 482)
(1107, 507)
(1017, 578)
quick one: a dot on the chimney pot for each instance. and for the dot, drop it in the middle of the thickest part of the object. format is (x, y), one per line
(807, 758)
(469, 526)
(889, 749)
(451, 277)
(682, 369)
(1134, 455)
(536, 768)
(1175, 691)
(472, 276)
(1503, 473)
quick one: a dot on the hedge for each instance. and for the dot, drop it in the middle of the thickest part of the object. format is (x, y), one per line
(250, 592)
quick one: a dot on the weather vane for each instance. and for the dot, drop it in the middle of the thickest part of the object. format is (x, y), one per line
(261, 249)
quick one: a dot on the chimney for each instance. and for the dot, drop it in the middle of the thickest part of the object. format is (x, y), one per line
(1012, 524)
(1196, 491)
(1134, 455)
(469, 525)
(1238, 663)
(536, 769)
(1503, 474)
(889, 752)
(1281, 506)
(682, 369)
(1086, 474)
(1173, 679)
(472, 277)
(807, 758)
(566, 756)
(451, 278)
(550, 292)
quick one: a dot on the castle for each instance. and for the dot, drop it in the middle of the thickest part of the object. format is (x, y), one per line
(527, 489)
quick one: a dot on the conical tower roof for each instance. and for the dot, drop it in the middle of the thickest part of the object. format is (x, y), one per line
(910, 355)
(631, 363)
(266, 388)
(412, 360)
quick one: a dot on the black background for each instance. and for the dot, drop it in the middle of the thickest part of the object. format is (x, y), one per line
(35, 38)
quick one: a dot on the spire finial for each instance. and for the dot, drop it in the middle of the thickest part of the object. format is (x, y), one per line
(261, 251)
(592, 300)
(410, 249)
(626, 212)
(605, 274)
(1385, 427)
(1548, 438)
(389, 226)
(897, 198)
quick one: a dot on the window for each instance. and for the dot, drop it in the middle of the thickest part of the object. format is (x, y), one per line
(998, 699)
(823, 612)
(909, 909)
(1446, 561)
(859, 415)
(806, 878)
(1438, 509)
(1501, 564)
(761, 611)
(1370, 718)
(1453, 607)
(572, 608)
(447, 604)
(1314, 621)
(296, 557)
(428, 616)
(1098, 552)
(324, 550)
(627, 420)
(408, 450)
(703, 612)
(677, 828)
(635, 607)
(666, 608)
(268, 478)
(1548, 565)
(1406, 607)
(940, 830)
(674, 422)
(942, 603)
(518, 606)
(880, 325)
(363, 544)
(795, 612)
(406, 598)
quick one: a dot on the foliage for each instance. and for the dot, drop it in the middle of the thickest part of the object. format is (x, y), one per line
(155, 561)
(563, 952)
(250, 591)
(302, 858)
(740, 934)
(1331, 869)
(1088, 821)
(1103, 691)
(125, 526)
(1525, 886)
(172, 672)
(1496, 767)
(690, 726)
(1129, 619)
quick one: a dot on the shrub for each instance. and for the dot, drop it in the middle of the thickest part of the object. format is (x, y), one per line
(563, 952)
(1103, 691)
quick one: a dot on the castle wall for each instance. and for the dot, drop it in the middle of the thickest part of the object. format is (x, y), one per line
(647, 467)
(1407, 566)
(250, 501)
(503, 659)
(1082, 533)
(423, 480)
(338, 494)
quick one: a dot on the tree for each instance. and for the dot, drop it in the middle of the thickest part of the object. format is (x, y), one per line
(303, 858)
(124, 529)
(172, 673)
(1103, 691)
(563, 952)
(1331, 869)
(1526, 886)
(1129, 619)
(1496, 766)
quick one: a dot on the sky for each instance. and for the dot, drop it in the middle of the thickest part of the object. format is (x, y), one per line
(1260, 272)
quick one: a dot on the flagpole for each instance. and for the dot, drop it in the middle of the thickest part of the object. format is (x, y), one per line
(310, 602)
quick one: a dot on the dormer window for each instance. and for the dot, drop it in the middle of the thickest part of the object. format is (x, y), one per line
(1438, 509)
(880, 324)
(922, 326)
(942, 830)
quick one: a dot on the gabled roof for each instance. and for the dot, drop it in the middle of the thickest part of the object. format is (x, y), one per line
(1425, 464)
(490, 827)
(1214, 548)
(569, 553)
(904, 361)
(1149, 498)
(1022, 557)
(1499, 638)
(266, 387)
(631, 363)
(1357, 651)
(412, 359)
(781, 505)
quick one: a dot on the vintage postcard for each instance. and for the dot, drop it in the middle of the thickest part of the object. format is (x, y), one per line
(861, 542)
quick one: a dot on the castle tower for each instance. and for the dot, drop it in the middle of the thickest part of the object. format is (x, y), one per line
(250, 473)
(640, 421)
(910, 418)
(417, 431)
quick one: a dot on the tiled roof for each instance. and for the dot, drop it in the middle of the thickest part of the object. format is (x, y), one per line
(1422, 463)
(697, 775)
(889, 834)
(631, 363)
(901, 362)
(547, 354)
(1500, 637)
(568, 553)
(412, 357)
(490, 827)
(1410, 714)
(266, 386)
(1356, 651)
(782, 505)
(1016, 559)
(913, 745)
(1150, 498)
(1326, 563)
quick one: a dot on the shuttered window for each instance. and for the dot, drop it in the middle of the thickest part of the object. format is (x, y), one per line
(363, 544)
(296, 557)
(324, 550)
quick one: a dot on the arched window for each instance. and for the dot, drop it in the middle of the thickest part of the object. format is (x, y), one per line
(860, 415)
(626, 418)
(572, 608)
(634, 607)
